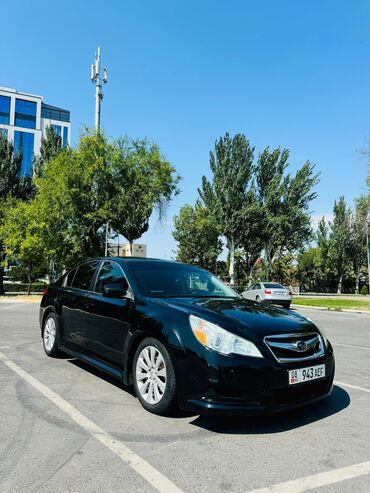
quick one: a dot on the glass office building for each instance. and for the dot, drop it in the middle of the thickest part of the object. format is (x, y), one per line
(24, 144)
(24, 119)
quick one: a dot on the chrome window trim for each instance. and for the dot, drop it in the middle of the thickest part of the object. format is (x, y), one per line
(318, 354)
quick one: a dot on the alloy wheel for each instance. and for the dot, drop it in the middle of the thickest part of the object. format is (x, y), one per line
(49, 334)
(151, 374)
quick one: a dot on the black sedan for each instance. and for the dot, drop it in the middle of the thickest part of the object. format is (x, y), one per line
(184, 339)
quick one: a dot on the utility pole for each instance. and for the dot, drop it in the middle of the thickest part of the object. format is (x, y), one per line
(98, 81)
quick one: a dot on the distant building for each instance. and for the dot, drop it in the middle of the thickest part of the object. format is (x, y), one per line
(24, 118)
(124, 250)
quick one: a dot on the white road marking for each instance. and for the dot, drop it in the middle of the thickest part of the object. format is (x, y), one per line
(4, 347)
(348, 345)
(141, 466)
(351, 386)
(318, 480)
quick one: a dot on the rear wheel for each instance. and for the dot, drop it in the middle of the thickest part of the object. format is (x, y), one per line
(154, 377)
(50, 335)
(258, 298)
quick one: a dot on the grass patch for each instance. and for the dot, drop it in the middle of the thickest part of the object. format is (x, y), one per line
(332, 303)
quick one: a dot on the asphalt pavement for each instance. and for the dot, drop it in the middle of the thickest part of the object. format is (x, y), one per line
(65, 427)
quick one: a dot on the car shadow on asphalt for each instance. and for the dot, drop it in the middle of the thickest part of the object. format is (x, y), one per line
(254, 425)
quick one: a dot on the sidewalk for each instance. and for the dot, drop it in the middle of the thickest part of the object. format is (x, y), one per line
(326, 309)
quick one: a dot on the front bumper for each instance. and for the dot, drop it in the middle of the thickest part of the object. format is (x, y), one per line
(258, 387)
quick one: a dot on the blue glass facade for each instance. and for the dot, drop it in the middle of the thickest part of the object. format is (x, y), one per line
(65, 136)
(54, 113)
(57, 129)
(24, 142)
(25, 113)
(4, 109)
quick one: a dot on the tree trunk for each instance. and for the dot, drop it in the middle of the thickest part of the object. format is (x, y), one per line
(29, 283)
(357, 289)
(2, 290)
(339, 291)
(268, 263)
(131, 243)
(232, 262)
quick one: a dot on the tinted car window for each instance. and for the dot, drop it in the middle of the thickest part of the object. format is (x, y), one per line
(180, 282)
(84, 275)
(69, 277)
(110, 273)
(273, 285)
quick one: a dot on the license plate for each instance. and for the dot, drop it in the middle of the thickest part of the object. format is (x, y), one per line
(306, 374)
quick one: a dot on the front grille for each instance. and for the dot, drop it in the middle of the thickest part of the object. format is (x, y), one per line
(295, 347)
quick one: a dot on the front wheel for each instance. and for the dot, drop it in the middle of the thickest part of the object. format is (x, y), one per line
(154, 377)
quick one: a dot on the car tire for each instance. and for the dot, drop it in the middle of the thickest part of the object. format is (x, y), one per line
(50, 335)
(287, 306)
(258, 299)
(154, 377)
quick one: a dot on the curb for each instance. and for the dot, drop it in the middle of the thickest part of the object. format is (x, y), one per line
(326, 309)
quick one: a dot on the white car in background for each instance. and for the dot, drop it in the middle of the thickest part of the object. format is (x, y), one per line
(271, 292)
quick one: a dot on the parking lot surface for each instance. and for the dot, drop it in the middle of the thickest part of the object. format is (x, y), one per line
(67, 427)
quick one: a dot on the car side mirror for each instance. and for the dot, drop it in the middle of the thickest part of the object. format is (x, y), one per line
(114, 290)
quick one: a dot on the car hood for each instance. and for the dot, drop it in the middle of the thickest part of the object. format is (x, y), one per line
(242, 316)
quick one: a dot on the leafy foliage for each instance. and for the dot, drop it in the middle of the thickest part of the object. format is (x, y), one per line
(228, 194)
(197, 235)
(51, 146)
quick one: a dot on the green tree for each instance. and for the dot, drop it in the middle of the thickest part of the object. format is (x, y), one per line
(197, 235)
(12, 184)
(144, 181)
(285, 223)
(228, 194)
(21, 234)
(83, 189)
(340, 244)
(358, 243)
(284, 269)
(51, 146)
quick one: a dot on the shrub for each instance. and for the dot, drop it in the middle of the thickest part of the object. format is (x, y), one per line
(13, 287)
(364, 290)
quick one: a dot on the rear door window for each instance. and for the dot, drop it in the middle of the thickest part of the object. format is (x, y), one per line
(69, 277)
(84, 275)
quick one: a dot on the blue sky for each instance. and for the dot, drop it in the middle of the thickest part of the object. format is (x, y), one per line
(288, 73)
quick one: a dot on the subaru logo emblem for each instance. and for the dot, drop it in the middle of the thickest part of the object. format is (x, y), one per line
(301, 346)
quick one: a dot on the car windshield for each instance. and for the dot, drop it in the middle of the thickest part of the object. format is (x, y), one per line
(273, 285)
(180, 282)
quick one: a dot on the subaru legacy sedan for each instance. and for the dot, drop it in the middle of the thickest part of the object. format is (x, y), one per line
(271, 292)
(184, 339)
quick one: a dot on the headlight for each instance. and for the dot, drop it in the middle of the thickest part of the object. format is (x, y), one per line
(220, 340)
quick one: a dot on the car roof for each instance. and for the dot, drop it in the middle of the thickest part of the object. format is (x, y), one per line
(142, 260)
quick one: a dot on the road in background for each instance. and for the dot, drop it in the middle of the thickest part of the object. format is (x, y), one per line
(44, 448)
